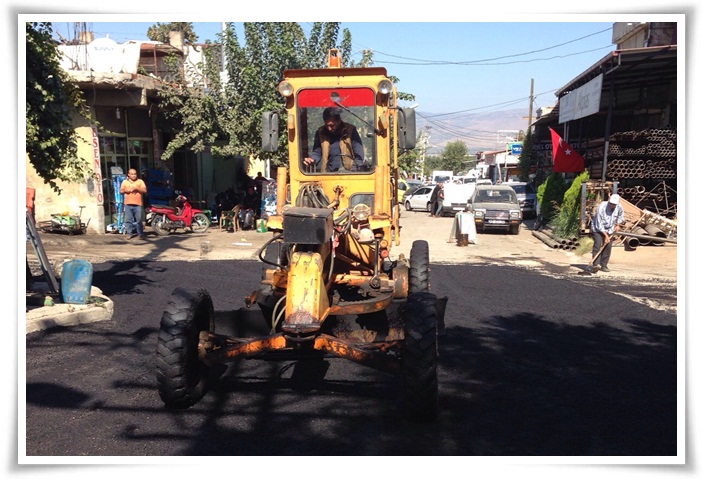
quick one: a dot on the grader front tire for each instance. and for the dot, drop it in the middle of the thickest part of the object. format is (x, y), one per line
(420, 357)
(181, 376)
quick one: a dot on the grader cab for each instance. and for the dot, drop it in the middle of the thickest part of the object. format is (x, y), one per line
(330, 286)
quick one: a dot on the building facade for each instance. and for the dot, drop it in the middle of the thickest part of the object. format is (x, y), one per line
(621, 115)
(120, 83)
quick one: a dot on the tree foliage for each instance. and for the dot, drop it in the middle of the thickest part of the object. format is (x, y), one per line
(160, 32)
(566, 222)
(51, 142)
(455, 156)
(431, 163)
(549, 194)
(222, 111)
(529, 158)
(409, 161)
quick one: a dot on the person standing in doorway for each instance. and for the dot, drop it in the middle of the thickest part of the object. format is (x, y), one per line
(605, 222)
(133, 188)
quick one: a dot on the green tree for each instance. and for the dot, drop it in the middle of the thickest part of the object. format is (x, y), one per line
(51, 142)
(529, 158)
(549, 194)
(433, 162)
(223, 112)
(160, 32)
(455, 156)
(566, 221)
(409, 161)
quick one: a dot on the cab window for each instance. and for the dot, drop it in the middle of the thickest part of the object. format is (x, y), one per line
(342, 140)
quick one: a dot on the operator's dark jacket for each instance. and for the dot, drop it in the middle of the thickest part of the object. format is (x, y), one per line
(348, 139)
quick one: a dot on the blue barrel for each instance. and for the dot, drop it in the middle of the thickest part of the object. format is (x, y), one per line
(76, 281)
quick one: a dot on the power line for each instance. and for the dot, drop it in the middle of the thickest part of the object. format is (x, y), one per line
(485, 61)
(475, 63)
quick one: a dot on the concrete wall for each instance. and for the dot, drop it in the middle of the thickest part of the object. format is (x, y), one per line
(87, 193)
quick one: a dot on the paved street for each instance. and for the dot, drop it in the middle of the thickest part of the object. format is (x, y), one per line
(536, 361)
(530, 365)
(646, 266)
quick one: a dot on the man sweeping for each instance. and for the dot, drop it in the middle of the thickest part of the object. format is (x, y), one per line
(605, 222)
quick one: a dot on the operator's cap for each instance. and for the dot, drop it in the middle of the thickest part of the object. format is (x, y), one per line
(614, 199)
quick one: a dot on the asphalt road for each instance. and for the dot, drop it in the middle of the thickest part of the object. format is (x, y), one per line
(532, 364)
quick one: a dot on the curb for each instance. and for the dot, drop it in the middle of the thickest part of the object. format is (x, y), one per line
(62, 314)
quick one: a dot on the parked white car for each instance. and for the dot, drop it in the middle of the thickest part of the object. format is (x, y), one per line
(420, 199)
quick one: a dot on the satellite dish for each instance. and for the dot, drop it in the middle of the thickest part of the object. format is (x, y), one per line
(104, 55)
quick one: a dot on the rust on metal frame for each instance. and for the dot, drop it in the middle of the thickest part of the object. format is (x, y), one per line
(375, 358)
(245, 348)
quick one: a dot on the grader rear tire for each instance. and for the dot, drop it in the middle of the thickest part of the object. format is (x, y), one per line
(181, 376)
(420, 356)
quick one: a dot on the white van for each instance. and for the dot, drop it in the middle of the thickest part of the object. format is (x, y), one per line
(456, 194)
(441, 176)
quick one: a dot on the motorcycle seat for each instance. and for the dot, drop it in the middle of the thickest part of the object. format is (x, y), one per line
(167, 207)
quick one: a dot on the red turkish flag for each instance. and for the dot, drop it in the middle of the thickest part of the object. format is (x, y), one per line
(565, 158)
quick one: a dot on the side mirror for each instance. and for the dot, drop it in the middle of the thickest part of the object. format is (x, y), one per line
(406, 128)
(269, 131)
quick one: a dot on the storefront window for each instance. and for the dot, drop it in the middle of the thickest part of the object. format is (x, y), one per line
(117, 156)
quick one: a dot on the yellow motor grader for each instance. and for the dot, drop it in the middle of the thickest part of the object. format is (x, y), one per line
(329, 285)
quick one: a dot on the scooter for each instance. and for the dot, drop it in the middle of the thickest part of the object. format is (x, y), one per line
(166, 219)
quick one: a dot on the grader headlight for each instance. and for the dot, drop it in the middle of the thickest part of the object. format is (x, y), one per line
(361, 212)
(285, 89)
(385, 87)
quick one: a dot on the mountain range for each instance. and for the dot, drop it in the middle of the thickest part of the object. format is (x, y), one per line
(479, 131)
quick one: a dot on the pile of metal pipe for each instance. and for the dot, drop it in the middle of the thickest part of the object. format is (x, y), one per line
(639, 168)
(547, 240)
(633, 240)
(655, 232)
(666, 225)
(651, 134)
(556, 242)
(643, 154)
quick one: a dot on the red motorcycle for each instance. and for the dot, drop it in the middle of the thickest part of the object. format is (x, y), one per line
(165, 219)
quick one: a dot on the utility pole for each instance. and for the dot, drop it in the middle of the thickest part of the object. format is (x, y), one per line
(531, 104)
(424, 141)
